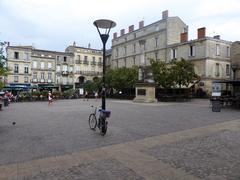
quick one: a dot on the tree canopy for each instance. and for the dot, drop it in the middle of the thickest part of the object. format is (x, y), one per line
(174, 74)
(3, 68)
(121, 78)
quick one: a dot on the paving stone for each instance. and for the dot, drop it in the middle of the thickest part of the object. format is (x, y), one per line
(216, 154)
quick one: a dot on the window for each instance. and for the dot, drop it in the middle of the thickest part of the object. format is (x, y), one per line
(156, 41)
(227, 69)
(15, 78)
(228, 51)
(116, 52)
(217, 69)
(26, 56)
(26, 79)
(26, 69)
(64, 59)
(34, 75)
(50, 76)
(134, 60)
(173, 53)
(93, 58)
(57, 58)
(134, 47)
(125, 50)
(65, 68)
(217, 49)
(16, 55)
(100, 59)
(42, 75)
(58, 68)
(192, 49)
(85, 58)
(34, 64)
(15, 68)
(49, 65)
(42, 65)
(79, 57)
(134, 35)
(71, 69)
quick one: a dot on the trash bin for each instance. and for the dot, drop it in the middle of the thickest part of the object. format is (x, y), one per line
(5, 102)
(216, 106)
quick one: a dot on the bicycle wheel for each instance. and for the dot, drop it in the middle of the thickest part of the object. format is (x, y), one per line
(92, 120)
(104, 128)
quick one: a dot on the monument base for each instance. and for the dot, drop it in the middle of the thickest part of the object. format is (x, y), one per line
(145, 93)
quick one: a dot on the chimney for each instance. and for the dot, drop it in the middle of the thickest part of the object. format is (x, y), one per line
(131, 28)
(216, 37)
(122, 32)
(165, 14)
(8, 43)
(141, 24)
(114, 35)
(184, 37)
(201, 33)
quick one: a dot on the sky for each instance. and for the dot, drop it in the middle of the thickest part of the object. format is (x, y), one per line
(56, 24)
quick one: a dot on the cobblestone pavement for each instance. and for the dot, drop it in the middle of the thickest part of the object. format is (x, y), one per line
(151, 143)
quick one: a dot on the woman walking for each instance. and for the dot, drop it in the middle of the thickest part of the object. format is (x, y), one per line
(50, 98)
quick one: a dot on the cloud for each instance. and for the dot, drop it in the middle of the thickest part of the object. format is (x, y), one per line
(52, 24)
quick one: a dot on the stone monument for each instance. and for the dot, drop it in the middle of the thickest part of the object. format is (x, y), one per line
(145, 88)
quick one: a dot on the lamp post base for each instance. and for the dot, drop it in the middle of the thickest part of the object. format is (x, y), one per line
(145, 93)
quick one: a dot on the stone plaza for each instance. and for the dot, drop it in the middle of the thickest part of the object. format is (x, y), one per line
(144, 141)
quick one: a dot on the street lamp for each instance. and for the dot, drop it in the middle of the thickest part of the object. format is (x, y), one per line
(106, 26)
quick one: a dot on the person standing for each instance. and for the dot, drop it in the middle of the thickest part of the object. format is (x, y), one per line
(96, 95)
(50, 98)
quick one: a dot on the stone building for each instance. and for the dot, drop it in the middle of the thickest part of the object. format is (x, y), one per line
(167, 40)
(66, 70)
(209, 55)
(235, 60)
(151, 41)
(87, 64)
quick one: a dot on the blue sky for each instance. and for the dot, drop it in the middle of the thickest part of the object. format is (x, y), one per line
(55, 24)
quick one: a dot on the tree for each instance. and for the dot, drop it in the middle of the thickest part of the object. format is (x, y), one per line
(183, 73)
(3, 68)
(121, 78)
(161, 74)
(176, 73)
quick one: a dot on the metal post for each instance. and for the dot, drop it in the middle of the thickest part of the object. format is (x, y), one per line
(103, 78)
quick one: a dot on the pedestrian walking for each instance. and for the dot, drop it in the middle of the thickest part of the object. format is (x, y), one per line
(86, 96)
(96, 95)
(50, 98)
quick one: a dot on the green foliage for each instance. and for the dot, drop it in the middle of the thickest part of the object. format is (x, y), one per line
(161, 73)
(183, 73)
(121, 78)
(92, 86)
(69, 93)
(177, 73)
(3, 68)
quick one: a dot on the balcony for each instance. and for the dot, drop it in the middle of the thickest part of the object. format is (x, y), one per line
(65, 73)
(99, 63)
(93, 63)
(85, 62)
(78, 62)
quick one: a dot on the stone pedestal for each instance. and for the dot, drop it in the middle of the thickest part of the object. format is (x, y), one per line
(145, 92)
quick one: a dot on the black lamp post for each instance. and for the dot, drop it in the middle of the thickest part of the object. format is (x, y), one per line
(106, 25)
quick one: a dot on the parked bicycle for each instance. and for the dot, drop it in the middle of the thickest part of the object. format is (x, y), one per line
(99, 122)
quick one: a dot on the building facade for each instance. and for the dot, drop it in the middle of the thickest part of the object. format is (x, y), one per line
(66, 70)
(235, 60)
(167, 40)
